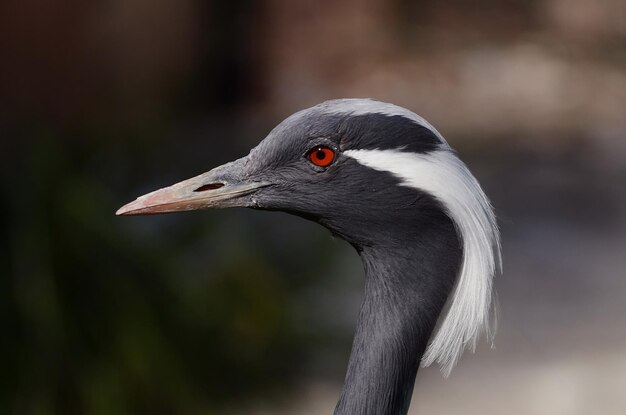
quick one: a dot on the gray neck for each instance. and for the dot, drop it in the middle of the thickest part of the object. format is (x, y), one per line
(405, 291)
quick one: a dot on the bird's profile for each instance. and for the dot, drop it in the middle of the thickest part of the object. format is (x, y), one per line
(382, 178)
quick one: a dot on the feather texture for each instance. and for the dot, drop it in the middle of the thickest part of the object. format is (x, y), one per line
(443, 175)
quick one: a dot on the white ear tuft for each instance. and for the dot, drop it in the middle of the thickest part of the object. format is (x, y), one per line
(444, 176)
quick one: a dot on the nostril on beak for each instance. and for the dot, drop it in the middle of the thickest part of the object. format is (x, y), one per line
(210, 186)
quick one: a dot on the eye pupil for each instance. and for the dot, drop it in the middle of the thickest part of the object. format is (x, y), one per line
(320, 154)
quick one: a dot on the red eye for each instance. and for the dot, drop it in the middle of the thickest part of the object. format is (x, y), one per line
(321, 156)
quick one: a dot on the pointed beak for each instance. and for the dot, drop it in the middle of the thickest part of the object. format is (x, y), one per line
(222, 187)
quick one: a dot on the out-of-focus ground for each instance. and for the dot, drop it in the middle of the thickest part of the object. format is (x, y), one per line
(221, 312)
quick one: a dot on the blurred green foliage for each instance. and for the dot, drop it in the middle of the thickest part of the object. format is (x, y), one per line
(106, 315)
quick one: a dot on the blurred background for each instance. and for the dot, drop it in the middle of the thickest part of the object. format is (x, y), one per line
(222, 312)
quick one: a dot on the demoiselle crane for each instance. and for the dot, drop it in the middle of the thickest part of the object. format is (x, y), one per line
(383, 179)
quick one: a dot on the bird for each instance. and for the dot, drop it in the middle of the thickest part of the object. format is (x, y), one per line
(386, 181)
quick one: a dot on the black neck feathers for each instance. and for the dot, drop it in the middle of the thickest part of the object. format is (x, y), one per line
(406, 286)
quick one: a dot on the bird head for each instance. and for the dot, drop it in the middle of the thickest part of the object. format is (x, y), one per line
(309, 165)
(375, 174)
